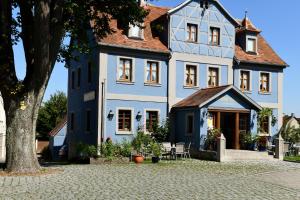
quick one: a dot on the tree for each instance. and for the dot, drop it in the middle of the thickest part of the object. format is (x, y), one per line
(51, 113)
(42, 26)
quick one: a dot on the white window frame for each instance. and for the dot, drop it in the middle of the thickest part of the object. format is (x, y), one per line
(159, 73)
(144, 120)
(141, 32)
(133, 70)
(220, 36)
(250, 80)
(270, 84)
(186, 124)
(197, 75)
(219, 73)
(132, 121)
(197, 33)
(254, 38)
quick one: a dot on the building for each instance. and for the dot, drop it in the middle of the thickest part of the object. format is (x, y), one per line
(57, 140)
(2, 132)
(195, 61)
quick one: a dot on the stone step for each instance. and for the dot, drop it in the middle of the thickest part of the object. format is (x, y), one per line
(247, 155)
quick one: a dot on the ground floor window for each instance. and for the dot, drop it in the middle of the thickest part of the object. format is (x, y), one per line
(244, 122)
(124, 120)
(189, 124)
(151, 120)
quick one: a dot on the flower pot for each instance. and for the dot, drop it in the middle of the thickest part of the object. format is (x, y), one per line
(155, 159)
(138, 159)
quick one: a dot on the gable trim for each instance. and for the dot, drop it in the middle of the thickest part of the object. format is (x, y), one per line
(232, 19)
(236, 90)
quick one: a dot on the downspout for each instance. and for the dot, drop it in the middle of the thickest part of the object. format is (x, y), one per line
(102, 110)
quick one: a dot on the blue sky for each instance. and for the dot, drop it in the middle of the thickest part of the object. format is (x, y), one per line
(278, 21)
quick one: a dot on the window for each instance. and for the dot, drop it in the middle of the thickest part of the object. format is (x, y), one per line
(88, 121)
(124, 120)
(213, 77)
(264, 126)
(245, 81)
(73, 80)
(214, 37)
(125, 70)
(151, 120)
(190, 124)
(72, 121)
(192, 32)
(78, 77)
(251, 45)
(191, 75)
(244, 122)
(264, 82)
(152, 75)
(135, 31)
(90, 72)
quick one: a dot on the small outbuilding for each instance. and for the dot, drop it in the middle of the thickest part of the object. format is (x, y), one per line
(57, 141)
(225, 108)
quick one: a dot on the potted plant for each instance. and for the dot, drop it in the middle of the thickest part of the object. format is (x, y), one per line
(137, 144)
(262, 143)
(156, 151)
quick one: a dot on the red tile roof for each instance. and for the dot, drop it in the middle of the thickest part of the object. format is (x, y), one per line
(265, 54)
(59, 126)
(200, 97)
(151, 41)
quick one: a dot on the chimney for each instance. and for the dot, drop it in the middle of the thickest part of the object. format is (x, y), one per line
(293, 115)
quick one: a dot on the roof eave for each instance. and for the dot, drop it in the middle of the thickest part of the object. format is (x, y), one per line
(259, 63)
(133, 48)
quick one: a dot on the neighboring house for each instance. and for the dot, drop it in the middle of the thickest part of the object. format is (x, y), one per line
(57, 140)
(288, 123)
(2, 132)
(138, 77)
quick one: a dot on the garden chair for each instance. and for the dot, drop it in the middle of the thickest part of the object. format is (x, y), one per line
(166, 149)
(179, 150)
(187, 149)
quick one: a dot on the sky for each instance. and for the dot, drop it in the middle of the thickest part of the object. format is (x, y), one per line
(278, 20)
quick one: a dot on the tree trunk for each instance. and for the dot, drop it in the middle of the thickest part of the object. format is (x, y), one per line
(21, 151)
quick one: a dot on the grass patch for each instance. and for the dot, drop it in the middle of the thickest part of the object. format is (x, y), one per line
(292, 159)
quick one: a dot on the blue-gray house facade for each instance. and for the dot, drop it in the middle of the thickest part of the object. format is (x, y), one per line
(139, 77)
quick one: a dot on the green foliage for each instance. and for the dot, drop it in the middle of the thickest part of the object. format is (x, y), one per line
(247, 140)
(161, 133)
(156, 148)
(51, 113)
(86, 151)
(266, 113)
(292, 135)
(110, 150)
(140, 141)
(211, 140)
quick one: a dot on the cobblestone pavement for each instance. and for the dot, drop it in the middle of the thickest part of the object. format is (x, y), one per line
(191, 179)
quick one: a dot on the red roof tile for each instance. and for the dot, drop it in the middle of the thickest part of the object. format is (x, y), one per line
(150, 42)
(200, 97)
(59, 126)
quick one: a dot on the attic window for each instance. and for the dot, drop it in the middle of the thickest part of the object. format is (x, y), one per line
(135, 32)
(251, 45)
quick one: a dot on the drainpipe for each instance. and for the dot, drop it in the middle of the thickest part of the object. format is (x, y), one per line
(102, 110)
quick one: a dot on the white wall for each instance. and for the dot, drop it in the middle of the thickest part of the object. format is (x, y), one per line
(2, 132)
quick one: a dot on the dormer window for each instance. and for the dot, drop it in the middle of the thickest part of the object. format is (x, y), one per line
(135, 32)
(251, 45)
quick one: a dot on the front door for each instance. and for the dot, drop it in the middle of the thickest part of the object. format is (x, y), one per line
(228, 128)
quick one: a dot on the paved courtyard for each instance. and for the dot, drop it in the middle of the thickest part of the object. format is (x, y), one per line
(191, 179)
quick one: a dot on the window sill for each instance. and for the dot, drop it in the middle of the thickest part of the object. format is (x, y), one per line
(152, 84)
(264, 93)
(247, 91)
(124, 133)
(193, 42)
(135, 38)
(125, 83)
(191, 87)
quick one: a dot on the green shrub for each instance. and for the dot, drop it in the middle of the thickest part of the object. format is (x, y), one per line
(161, 133)
(211, 140)
(125, 148)
(141, 141)
(156, 149)
(108, 149)
(247, 140)
(86, 151)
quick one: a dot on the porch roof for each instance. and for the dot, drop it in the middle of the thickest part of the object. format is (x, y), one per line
(207, 95)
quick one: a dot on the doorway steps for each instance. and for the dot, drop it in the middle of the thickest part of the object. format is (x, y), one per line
(235, 155)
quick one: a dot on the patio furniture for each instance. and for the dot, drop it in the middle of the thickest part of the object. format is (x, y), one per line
(187, 151)
(166, 149)
(179, 149)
